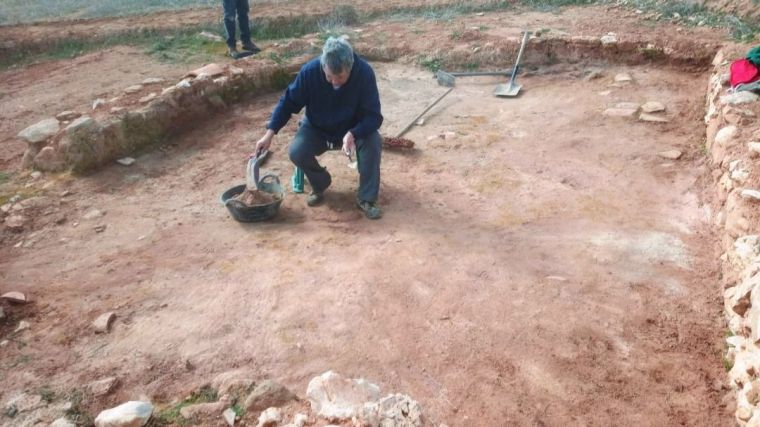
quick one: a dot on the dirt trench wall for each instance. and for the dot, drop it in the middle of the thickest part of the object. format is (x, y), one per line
(733, 145)
(139, 117)
(88, 142)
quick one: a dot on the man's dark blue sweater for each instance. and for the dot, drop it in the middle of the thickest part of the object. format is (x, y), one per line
(354, 107)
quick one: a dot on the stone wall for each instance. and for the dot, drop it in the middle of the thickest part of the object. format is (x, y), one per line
(140, 116)
(733, 144)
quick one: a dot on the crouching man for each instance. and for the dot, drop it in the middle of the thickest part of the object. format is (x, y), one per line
(342, 103)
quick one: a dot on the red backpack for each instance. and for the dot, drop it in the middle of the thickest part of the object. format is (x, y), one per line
(743, 71)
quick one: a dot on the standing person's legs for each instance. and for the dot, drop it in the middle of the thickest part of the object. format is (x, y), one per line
(245, 26)
(369, 153)
(306, 145)
(230, 11)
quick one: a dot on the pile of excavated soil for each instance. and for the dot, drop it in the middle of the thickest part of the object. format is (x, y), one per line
(255, 198)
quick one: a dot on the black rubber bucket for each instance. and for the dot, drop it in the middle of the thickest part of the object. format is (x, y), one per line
(244, 213)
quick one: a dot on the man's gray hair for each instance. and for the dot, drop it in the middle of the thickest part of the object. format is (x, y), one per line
(337, 55)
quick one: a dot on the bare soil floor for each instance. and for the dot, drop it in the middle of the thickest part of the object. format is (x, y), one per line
(451, 297)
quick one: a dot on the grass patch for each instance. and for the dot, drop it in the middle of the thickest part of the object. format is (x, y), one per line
(171, 415)
(554, 4)
(77, 414)
(440, 12)
(431, 63)
(693, 14)
(5, 177)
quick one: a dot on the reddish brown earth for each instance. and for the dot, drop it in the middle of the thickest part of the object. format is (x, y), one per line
(537, 262)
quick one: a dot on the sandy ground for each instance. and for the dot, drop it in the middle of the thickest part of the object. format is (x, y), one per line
(542, 267)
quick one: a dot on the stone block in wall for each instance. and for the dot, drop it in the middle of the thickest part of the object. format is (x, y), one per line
(49, 159)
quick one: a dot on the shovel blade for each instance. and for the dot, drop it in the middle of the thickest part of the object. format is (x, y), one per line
(507, 90)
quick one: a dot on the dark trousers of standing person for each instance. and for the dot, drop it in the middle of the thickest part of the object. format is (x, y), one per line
(239, 9)
(310, 143)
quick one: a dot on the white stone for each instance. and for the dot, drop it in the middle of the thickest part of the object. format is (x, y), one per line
(726, 135)
(203, 410)
(652, 107)
(670, 154)
(67, 115)
(36, 175)
(102, 387)
(229, 416)
(749, 194)
(620, 112)
(62, 422)
(80, 123)
(210, 36)
(652, 118)
(743, 97)
(22, 326)
(147, 98)
(93, 214)
(609, 38)
(15, 297)
(40, 131)
(26, 402)
(271, 417)
(623, 78)
(98, 103)
(754, 148)
(133, 89)
(125, 161)
(103, 323)
(185, 83)
(393, 410)
(235, 70)
(300, 420)
(153, 80)
(740, 175)
(337, 398)
(130, 414)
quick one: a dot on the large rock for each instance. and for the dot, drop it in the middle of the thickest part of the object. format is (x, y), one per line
(130, 414)
(62, 422)
(210, 410)
(15, 222)
(743, 97)
(270, 418)
(50, 160)
(232, 383)
(336, 398)
(15, 297)
(395, 410)
(652, 107)
(266, 395)
(40, 131)
(25, 402)
(103, 323)
(102, 387)
(82, 123)
(726, 135)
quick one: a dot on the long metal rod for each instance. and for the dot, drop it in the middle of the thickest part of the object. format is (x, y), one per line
(481, 73)
(403, 131)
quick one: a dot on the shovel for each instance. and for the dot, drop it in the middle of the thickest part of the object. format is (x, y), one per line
(511, 89)
(252, 172)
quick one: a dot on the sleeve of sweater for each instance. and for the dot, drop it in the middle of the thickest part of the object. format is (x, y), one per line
(370, 117)
(291, 102)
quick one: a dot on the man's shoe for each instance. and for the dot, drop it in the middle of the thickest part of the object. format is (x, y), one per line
(251, 47)
(233, 52)
(315, 198)
(370, 209)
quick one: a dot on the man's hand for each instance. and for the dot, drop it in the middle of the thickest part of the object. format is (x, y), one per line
(264, 143)
(349, 143)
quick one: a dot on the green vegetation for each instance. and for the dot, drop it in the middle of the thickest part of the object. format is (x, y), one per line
(171, 415)
(693, 14)
(433, 64)
(19, 11)
(4, 177)
(77, 414)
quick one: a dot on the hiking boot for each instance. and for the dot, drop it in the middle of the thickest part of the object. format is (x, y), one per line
(315, 198)
(251, 47)
(233, 52)
(370, 209)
